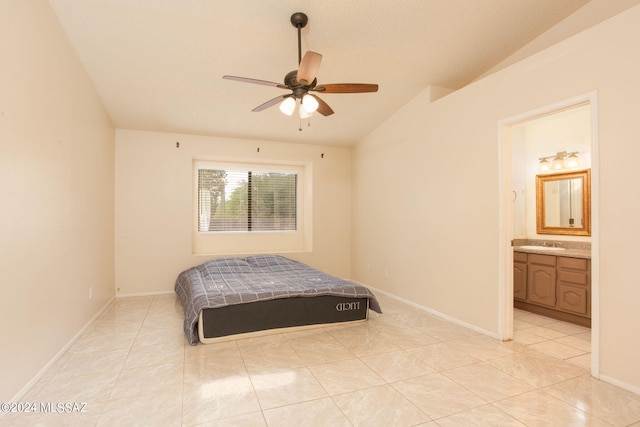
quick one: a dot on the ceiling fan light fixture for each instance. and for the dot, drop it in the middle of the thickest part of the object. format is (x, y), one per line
(288, 106)
(309, 103)
(302, 81)
(304, 114)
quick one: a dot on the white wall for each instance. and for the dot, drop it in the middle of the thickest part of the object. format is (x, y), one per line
(154, 209)
(426, 202)
(56, 194)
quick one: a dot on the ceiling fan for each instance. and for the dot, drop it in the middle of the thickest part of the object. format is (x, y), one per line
(302, 82)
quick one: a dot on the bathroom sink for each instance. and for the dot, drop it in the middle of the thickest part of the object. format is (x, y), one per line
(542, 248)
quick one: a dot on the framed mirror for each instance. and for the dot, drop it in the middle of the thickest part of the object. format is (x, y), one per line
(563, 203)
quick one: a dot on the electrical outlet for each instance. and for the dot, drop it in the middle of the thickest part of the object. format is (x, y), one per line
(368, 266)
(386, 272)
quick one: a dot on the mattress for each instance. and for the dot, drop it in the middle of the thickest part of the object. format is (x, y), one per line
(230, 282)
(278, 315)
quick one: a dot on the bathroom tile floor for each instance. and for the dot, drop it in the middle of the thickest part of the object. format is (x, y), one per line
(406, 367)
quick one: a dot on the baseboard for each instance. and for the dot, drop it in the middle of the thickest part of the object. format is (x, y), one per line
(58, 355)
(618, 383)
(144, 294)
(24, 390)
(605, 378)
(434, 312)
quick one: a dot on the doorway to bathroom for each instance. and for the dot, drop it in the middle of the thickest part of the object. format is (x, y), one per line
(526, 141)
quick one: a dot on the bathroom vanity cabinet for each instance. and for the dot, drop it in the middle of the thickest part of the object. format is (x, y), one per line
(554, 286)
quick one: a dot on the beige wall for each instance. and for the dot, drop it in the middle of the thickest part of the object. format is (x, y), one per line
(154, 208)
(56, 194)
(426, 196)
(593, 12)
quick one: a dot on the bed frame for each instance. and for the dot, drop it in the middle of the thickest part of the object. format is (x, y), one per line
(278, 315)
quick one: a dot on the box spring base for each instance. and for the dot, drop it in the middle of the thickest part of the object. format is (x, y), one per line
(279, 315)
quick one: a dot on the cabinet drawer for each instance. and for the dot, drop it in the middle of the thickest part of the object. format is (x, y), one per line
(572, 263)
(573, 277)
(520, 257)
(542, 259)
(572, 299)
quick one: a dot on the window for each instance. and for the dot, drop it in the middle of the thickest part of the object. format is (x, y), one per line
(246, 200)
(251, 207)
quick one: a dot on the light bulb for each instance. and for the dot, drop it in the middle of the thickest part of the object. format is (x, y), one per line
(557, 163)
(309, 103)
(544, 165)
(572, 161)
(303, 113)
(288, 106)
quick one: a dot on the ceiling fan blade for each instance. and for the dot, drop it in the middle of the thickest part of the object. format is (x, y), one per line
(323, 107)
(270, 103)
(254, 81)
(308, 67)
(346, 88)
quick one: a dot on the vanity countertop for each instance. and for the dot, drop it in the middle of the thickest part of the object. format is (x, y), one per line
(572, 253)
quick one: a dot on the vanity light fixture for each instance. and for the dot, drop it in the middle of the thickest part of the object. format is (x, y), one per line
(572, 161)
(544, 164)
(560, 161)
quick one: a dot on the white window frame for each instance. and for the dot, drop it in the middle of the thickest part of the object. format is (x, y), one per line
(255, 241)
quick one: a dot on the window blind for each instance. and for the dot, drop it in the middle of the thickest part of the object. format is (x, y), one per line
(246, 200)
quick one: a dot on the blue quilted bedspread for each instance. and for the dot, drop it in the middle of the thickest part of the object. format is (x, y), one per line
(229, 281)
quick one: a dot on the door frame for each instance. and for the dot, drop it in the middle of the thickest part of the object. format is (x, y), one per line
(505, 219)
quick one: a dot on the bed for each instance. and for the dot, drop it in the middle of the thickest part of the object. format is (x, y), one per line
(230, 298)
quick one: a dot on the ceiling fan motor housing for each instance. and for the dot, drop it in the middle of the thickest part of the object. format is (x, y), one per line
(291, 80)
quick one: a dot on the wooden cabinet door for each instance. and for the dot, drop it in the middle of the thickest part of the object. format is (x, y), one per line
(541, 286)
(572, 299)
(520, 281)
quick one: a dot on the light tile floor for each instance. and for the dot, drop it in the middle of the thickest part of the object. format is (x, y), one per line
(403, 368)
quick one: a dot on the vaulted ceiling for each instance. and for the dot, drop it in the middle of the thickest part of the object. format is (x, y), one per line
(158, 64)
